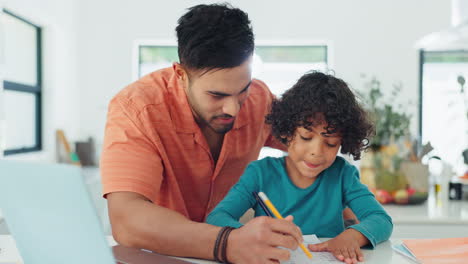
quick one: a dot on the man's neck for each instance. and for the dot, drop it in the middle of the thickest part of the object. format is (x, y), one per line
(214, 140)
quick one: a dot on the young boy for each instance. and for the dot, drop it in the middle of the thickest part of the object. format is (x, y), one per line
(316, 118)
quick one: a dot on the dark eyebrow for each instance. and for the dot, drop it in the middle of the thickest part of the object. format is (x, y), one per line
(329, 135)
(246, 87)
(225, 94)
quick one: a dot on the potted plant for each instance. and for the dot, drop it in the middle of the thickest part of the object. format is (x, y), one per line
(381, 166)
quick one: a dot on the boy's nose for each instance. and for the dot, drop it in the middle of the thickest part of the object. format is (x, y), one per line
(315, 148)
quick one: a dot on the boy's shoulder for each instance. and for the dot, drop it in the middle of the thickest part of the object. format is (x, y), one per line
(342, 167)
(278, 162)
(340, 161)
(266, 171)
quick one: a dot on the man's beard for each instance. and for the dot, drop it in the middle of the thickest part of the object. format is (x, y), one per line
(223, 129)
(219, 130)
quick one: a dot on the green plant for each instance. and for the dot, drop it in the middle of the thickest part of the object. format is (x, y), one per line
(391, 123)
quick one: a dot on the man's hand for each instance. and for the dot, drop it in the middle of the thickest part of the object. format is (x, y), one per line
(259, 239)
(345, 247)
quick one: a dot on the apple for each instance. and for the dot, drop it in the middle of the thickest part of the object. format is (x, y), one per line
(410, 191)
(383, 196)
(401, 196)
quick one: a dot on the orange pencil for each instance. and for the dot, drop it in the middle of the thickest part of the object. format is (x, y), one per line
(278, 215)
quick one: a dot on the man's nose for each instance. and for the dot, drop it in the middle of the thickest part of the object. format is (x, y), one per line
(231, 107)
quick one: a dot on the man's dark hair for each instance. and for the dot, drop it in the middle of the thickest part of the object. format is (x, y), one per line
(318, 97)
(216, 36)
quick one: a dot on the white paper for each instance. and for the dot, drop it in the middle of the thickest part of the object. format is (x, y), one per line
(299, 257)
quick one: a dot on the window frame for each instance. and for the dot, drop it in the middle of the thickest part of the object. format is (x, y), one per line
(422, 60)
(36, 90)
(139, 43)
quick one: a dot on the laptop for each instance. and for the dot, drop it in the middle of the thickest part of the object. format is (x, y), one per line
(50, 214)
(52, 218)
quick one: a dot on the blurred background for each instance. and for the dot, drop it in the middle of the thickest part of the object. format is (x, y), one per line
(62, 61)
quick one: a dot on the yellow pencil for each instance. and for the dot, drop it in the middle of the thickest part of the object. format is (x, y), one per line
(275, 212)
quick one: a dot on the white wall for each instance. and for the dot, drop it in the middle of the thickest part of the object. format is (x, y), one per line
(59, 88)
(88, 46)
(371, 37)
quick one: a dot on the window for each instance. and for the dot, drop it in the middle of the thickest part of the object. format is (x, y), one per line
(279, 66)
(22, 84)
(444, 104)
(154, 57)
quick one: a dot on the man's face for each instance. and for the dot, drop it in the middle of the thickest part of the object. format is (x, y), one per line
(217, 96)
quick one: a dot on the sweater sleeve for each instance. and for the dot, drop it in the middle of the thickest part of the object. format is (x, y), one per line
(238, 200)
(375, 224)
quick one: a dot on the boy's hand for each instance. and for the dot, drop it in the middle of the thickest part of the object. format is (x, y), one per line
(345, 247)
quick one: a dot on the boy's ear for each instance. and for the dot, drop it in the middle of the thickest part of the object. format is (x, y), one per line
(285, 139)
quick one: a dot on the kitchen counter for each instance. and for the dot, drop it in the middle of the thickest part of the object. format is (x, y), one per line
(438, 217)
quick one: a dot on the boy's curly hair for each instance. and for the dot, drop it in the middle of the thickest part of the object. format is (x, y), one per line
(318, 97)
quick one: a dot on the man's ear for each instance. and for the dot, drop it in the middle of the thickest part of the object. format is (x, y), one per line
(182, 75)
(180, 72)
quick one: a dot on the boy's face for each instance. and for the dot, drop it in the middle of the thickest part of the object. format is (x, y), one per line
(311, 152)
(217, 96)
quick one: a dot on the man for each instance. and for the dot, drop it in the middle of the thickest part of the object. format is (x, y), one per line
(179, 138)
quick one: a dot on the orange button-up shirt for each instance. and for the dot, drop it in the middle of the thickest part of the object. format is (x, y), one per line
(154, 147)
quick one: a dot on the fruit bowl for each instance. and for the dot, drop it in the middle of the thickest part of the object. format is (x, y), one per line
(418, 198)
(402, 196)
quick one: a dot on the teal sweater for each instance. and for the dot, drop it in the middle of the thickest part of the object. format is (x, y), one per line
(317, 209)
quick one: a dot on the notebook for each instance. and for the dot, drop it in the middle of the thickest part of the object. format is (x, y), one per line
(299, 257)
(444, 250)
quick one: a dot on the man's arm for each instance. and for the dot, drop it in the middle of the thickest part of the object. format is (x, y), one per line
(136, 222)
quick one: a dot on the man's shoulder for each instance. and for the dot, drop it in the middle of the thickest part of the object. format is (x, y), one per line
(259, 88)
(151, 89)
(259, 99)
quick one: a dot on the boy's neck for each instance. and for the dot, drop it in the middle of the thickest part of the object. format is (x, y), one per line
(295, 176)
